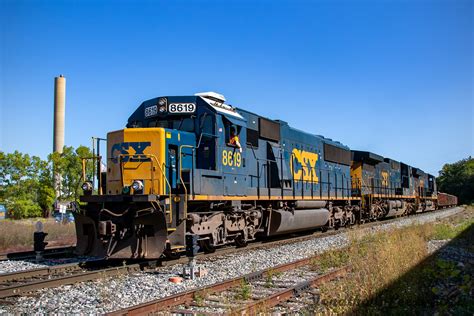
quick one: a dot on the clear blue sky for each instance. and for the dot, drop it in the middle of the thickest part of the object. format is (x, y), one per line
(392, 77)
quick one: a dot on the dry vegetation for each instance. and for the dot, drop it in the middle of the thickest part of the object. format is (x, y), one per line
(392, 273)
(17, 235)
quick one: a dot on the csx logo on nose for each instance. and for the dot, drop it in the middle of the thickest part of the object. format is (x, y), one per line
(129, 148)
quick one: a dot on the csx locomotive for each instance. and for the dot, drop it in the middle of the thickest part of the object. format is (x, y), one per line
(174, 171)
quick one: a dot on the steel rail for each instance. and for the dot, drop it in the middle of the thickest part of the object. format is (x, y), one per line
(49, 252)
(82, 276)
(255, 307)
(32, 273)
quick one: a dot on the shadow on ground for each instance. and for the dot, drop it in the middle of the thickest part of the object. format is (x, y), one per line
(442, 284)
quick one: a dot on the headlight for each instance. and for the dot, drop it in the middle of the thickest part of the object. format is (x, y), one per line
(162, 101)
(162, 109)
(87, 186)
(137, 185)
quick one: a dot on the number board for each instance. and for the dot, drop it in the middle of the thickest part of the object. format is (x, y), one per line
(151, 111)
(181, 108)
(231, 158)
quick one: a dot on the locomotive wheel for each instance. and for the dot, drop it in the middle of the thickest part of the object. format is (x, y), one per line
(206, 246)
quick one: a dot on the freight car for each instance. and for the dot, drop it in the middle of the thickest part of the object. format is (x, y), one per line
(446, 200)
(196, 166)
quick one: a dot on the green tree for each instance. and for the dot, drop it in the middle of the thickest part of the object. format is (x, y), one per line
(27, 184)
(20, 179)
(68, 165)
(458, 179)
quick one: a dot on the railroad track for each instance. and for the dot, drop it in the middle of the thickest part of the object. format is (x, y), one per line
(17, 283)
(20, 282)
(229, 296)
(48, 253)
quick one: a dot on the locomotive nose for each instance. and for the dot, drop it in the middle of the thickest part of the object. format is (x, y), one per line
(136, 161)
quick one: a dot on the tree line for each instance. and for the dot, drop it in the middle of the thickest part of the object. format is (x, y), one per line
(27, 183)
(458, 179)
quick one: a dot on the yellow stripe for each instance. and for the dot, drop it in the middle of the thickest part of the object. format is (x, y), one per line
(279, 198)
(265, 198)
(398, 196)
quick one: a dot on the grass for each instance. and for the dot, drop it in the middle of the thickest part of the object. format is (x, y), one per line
(17, 235)
(451, 230)
(391, 273)
(327, 260)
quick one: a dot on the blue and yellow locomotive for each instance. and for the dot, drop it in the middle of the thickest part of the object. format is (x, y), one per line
(194, 165)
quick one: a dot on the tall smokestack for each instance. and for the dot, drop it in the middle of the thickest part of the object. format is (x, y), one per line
(59, 113)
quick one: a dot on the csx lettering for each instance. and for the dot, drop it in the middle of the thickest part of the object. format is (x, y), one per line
(384, 178)
(129, 148)
(304, 165)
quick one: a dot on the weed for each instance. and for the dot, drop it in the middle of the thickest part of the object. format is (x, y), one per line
(244, 291)
(200, 297)
(269, 282)
(331, 259)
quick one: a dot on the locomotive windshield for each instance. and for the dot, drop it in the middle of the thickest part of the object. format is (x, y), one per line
(182, 123)
(179, 123)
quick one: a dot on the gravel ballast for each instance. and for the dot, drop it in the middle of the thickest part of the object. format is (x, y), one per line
(115, 293)
(9, 266)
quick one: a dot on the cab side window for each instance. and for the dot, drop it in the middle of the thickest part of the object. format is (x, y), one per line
(231, 132)
(206, 152)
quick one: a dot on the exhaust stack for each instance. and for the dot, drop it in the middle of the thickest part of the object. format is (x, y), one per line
(59, 113)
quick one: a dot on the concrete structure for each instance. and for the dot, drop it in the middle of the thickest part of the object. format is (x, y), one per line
(59, 113)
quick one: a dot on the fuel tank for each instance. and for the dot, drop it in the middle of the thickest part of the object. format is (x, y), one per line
(396, 208)
(282, 221)
(300, 205)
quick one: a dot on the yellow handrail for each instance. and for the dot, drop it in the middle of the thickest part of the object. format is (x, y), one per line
(153, 157)
(181, 178)
(84, 178)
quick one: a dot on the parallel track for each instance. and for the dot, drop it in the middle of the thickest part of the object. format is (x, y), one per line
(48, 253)
(17, 283)
(284, 295)
(188, 297)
